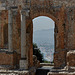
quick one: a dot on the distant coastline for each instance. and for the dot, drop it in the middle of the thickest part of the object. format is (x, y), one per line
(45, 41)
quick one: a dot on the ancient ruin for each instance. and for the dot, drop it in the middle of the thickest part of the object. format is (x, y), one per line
(16, 32)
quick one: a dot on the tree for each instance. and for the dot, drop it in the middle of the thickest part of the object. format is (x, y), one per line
(37, 52)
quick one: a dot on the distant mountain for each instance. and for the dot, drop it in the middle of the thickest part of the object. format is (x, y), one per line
(45, 41)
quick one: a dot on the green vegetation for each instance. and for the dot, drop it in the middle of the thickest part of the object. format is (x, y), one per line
(37, 52)
(45, 61)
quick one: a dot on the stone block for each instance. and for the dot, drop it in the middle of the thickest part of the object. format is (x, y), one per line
(8, 58)
(71, 58)
(23, 64)
(61, 73)
(36, 62)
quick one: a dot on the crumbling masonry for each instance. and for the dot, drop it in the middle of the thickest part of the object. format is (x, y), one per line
(16, 30)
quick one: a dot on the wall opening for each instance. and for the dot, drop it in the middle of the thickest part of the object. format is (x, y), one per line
(43, 36)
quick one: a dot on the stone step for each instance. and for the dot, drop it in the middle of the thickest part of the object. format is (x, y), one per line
(5, 67)
(13, 72)
(61, 73)
(43, 70)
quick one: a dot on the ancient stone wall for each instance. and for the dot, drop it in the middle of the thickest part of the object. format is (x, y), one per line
(47, 8)
(60, 11)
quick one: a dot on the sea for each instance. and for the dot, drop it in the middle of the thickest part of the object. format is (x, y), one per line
(45, 42)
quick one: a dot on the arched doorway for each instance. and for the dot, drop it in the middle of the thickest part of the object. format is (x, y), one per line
(43, 36)
(58, 35)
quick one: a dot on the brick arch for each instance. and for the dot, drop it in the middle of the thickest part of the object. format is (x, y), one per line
(59, 34)
(46, 8)
(33, 16)
(30, 31)
(43, 14)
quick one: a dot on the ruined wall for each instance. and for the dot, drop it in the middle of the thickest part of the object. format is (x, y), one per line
(49, 9)
(16, 30)
(61, 11)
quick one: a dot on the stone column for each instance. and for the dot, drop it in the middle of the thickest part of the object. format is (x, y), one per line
(10, 30)
(24, 53)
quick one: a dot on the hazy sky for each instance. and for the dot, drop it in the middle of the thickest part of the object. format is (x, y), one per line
(42, 22)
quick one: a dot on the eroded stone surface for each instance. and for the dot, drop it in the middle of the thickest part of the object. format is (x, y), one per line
(61, 11)
(71, 58)
(10, 72)
(62, 73)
